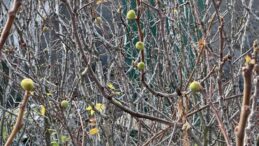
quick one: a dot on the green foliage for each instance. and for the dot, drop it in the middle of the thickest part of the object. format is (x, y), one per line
(54, 143)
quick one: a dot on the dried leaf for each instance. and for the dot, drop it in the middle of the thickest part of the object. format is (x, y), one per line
(201, 43)
(186, 126)
(92, 121)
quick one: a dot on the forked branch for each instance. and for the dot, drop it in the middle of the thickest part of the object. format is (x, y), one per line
(10, 20)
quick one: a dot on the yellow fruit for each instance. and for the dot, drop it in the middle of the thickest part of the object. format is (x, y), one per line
(141, 65)
(45, 29)
(27, 84)
(131, 15)
(64, 103)
(195, 86)
(139, 45)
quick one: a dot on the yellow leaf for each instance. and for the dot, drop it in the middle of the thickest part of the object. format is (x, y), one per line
(247, 59)
(100, 107)
(90, 109)
(94, 131)
(110, 85)
(92, 112)
(42, 110)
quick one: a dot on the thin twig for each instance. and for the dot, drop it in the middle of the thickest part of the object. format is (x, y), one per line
(81, 122)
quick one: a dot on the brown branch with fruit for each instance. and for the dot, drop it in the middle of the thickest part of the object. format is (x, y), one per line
(105, 91)
(27, 85)
(131, 15)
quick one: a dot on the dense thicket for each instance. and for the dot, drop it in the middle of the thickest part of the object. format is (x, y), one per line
(91, 90)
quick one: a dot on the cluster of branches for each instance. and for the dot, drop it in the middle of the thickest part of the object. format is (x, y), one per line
(84, 52)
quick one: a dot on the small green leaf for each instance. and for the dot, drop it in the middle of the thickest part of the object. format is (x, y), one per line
(54, 143)
(64, 138)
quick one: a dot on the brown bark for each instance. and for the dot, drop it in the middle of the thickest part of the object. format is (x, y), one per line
(247, 75)
(10, 20)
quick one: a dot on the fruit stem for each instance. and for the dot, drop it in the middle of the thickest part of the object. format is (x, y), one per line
(18, 125)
